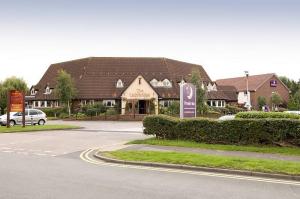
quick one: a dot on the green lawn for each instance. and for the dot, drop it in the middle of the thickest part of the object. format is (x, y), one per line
(261, 149)
(14, 129)
(259, 165)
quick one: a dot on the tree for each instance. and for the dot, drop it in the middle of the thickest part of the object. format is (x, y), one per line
(276, 100)
(294, 102)
(65, 89)
(12, 83)
(201, 98)
(262, 101)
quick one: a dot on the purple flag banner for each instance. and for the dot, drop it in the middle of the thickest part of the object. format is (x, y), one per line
(187, 100)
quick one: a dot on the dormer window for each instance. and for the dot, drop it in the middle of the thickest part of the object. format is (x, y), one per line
(48, 90)
(167, 83)
(154, 82)
(120, 84)
(32, 92)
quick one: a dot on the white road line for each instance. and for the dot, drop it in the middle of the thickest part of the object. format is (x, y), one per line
(85, 156)
(7, 151)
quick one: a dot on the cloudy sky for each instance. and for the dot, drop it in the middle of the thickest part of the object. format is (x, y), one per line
(227, 37)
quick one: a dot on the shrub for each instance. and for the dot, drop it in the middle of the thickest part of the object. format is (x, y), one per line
(63, 115)
(259, 115)
(54, 112)
(239, 131)
(111, 111)
(234, 109)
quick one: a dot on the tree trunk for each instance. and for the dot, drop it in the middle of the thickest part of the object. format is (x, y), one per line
(69, 108)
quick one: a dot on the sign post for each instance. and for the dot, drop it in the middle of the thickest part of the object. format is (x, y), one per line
(15, 103)
(187, 100)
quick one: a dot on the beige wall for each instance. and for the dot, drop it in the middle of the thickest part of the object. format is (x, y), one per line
(139, 90)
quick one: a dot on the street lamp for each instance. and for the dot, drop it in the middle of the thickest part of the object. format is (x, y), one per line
(248, 104)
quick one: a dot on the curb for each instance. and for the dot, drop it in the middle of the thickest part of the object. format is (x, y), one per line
(100, 155)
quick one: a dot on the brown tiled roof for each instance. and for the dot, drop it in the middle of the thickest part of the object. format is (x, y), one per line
(96, 77)
(254, 82)
(217, 95)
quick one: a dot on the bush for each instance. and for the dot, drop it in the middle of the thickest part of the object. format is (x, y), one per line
(111, 111)
(239, 131)
(259, 115)
(234, 109)
(54, 112)
(63, 115)
(80, 116)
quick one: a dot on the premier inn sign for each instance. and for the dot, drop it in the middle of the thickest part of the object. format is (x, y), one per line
(187, 100)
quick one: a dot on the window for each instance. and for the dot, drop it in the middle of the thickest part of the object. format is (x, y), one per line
(109, 103)
(140, 81)
(165, 103)
(48, 90)
(36, 104)
(120, 84)
(83, 102)
(167, 83)
(33, 112)
(32, 91)
(154, 82)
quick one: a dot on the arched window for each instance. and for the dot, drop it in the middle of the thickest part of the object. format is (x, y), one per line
(120, 84)
(32, 91)
(154, 82)
(167, 83)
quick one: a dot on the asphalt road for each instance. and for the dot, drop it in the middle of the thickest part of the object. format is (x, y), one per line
(47, 165)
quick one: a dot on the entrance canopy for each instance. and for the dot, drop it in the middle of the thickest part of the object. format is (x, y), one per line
(139, 91)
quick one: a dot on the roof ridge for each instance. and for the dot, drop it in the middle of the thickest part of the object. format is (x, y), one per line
(245, 76)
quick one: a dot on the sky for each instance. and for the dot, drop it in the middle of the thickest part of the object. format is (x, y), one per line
(226, 37)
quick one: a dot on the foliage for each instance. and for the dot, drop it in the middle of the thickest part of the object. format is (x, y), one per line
(65, 88)
(12, 83)
(54, 112)
(260, 114)
(94, 110)
(173, 109)
(294, 102)
(200, 92)
(238, 131)
(234, 109)
(111, 111)
(276, 99)
(261, 101)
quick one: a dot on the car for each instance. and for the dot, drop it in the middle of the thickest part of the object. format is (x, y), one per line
(227, 117)
(32, 117)
(293, 112)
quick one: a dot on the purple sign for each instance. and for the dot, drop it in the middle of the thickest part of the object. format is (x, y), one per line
(187, 100)
(273, 83)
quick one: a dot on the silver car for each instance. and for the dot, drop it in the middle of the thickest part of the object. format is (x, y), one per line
(32, 117)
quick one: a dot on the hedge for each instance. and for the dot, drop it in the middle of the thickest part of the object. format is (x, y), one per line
(258, 115)
(238, 131)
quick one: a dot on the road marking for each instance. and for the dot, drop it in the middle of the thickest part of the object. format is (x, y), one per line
(85, 157)
(7, 151)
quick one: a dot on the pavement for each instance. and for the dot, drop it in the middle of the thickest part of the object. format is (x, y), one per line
(48, 165)
(145, 147)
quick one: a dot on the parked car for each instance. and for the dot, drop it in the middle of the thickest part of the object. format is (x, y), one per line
(227, 117)
(32, 116)
(293, 112)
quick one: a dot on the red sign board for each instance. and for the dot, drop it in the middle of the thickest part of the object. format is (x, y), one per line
(16, 101)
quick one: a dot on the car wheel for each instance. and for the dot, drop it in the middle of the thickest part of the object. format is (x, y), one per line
(41, 122)
(12, 123)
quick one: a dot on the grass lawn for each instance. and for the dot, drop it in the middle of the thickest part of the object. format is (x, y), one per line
(14, 129)
(260, 149)
(268, 166)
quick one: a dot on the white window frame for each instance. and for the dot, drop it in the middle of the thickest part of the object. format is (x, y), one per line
(109, 103)
(119, 84)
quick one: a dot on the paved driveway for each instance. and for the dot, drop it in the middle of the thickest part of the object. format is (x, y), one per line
(104, 134)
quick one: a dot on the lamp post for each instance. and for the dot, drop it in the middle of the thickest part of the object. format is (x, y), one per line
(248, 104)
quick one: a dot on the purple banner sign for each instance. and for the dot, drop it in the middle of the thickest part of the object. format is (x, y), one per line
(273, 83)
(187, 100)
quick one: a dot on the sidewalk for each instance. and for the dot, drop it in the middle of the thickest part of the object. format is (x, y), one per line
(144, 147)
